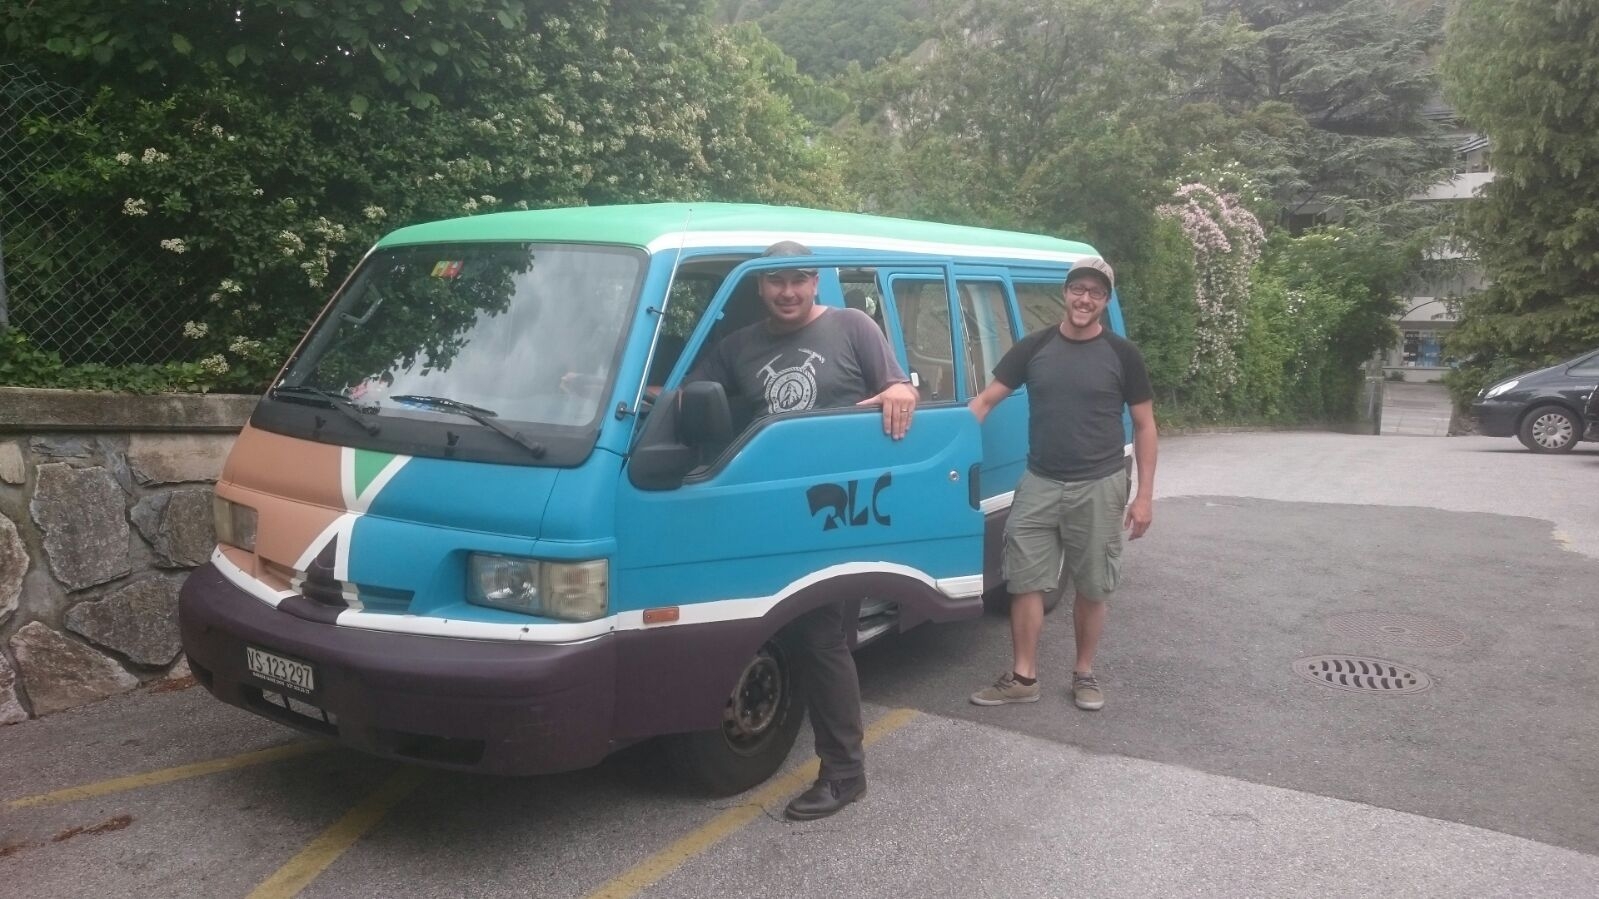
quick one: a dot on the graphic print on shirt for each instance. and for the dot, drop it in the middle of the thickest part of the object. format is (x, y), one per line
(791, 389)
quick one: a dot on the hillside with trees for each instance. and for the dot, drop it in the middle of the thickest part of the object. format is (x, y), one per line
(1246, 164)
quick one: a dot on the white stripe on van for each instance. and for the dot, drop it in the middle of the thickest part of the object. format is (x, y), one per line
(817, 240)
(960, 587)
(239, 578)
(997, 503)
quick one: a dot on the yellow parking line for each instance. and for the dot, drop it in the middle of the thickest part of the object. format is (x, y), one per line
(293, 877)
(168, 775)
(657, 866)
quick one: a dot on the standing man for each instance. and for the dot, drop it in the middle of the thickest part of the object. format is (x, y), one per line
(1067, 515)
(805, 356)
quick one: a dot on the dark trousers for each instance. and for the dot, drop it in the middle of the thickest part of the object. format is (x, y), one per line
(832, 690)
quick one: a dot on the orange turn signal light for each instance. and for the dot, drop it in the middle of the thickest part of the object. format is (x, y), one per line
(663, 615)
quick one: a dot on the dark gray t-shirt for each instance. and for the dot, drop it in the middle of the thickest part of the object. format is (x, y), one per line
(1075, 391)
(839, 359)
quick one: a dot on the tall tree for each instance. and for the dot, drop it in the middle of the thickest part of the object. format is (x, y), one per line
(1329, 95)
(825, 36)
(1524, 71)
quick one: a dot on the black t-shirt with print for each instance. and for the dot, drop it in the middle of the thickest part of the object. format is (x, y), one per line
(839, 359)
(1076, 390)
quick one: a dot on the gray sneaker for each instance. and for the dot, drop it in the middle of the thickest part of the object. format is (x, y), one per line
(1006, 689)
(1086, 692)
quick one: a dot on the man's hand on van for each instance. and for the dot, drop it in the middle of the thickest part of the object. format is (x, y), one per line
(898, 402)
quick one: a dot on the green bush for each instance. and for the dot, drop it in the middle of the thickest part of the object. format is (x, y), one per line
(1157, 300)
(264, 146)
(24, 365)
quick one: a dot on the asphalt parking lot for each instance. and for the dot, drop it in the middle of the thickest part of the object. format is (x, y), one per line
(1217, 768)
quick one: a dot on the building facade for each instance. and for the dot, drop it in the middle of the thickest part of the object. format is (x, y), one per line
(1450, 274)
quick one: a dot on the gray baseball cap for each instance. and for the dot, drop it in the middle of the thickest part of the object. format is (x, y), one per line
(1093, 264)
(789, 248)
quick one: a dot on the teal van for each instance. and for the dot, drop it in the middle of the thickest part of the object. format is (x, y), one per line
(479, 521)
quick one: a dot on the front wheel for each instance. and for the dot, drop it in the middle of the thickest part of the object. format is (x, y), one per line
(1549, 429)
(759, 724)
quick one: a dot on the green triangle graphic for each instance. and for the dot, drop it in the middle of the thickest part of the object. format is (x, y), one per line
(368, 465)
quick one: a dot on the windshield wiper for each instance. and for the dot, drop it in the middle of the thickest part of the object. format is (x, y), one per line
(327, 399)
(482, 416)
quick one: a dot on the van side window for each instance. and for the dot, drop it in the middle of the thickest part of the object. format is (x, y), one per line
(1041, 303)
(986, 320)
(859, 286)
(691, 293)
(923, 306)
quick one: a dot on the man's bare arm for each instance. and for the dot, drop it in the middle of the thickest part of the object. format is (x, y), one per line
(984, 402)
(1141, 511)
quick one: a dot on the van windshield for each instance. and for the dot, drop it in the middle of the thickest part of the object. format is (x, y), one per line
(518, 332)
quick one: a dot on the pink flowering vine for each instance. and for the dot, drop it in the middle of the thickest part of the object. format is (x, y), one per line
(1227, 240)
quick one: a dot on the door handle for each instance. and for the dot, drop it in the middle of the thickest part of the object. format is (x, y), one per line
(974, 485)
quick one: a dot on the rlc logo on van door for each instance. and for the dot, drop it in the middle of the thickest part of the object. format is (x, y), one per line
(843, 503)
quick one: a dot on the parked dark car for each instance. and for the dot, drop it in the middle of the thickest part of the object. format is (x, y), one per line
(1592, 413)
(1544, 408)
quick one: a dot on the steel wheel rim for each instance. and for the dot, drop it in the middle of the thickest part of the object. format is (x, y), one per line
(756, 701)
(1551, 430)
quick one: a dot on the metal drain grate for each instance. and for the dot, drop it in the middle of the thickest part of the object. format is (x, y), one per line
(1398, 630)
(1363, 675)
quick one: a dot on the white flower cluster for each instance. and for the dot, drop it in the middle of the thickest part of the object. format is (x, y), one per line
(375, 213)
(216, 364)
(195, 330)
(175, 245)
(153, 156)
(247, 347)
(125, 158)
(135, 207)
(324, 234)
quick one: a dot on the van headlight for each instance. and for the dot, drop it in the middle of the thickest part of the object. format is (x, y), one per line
(573, 591)
(1497, 389)
(235, 524)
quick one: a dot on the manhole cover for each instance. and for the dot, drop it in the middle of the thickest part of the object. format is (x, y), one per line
(1398, 630)
(1363, 675)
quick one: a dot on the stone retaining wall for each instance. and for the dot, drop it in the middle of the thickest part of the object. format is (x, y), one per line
(105, 504)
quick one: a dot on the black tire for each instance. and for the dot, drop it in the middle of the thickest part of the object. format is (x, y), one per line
(1550, 429)
(762, 719)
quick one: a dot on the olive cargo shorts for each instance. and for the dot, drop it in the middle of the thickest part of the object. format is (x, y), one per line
(1071, 527)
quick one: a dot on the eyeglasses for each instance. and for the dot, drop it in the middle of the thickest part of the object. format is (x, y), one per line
(1083, 290)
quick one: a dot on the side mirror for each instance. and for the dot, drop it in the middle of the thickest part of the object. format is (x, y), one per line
(704, 417)
(682, 427)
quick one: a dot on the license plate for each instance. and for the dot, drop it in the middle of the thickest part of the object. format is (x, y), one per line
(276, 669)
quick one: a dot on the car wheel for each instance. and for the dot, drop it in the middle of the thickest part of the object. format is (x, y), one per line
(759, 724)
(1549, 429)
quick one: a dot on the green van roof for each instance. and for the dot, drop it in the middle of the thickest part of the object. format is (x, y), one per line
(662, 226)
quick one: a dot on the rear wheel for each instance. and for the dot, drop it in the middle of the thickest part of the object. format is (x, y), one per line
(1549, 429)
(759, 724)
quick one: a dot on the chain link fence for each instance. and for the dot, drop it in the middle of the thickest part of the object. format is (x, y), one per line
(75, 277)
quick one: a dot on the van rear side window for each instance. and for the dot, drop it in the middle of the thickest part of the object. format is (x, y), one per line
(1041, 304)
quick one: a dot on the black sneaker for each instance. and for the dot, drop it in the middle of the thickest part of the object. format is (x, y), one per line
(825, 797)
